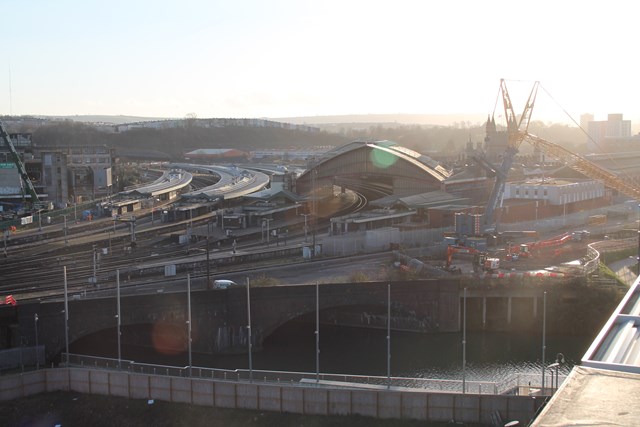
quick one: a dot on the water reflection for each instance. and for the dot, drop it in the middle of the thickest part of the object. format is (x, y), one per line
(491, 356)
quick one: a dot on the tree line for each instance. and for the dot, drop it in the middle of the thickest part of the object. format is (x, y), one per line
(172, 143)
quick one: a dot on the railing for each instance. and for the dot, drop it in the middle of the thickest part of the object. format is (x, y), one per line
(308, 379)
(530, 381)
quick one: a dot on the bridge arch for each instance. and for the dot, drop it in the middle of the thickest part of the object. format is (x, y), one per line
(219, 318)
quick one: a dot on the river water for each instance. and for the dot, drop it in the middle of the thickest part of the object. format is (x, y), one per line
(491, 356)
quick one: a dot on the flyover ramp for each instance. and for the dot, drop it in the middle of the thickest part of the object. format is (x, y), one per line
(233, 182)
(170, 182)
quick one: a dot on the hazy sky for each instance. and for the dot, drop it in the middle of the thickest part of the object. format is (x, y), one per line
(279, 58)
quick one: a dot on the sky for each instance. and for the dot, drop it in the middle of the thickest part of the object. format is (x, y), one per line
(292, 58)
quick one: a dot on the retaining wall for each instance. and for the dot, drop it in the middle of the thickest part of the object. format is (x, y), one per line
(277, 397)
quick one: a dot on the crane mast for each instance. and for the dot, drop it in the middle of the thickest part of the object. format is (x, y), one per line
(21, 169)
(516, 130)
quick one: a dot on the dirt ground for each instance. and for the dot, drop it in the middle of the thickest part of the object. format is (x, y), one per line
(66, 409)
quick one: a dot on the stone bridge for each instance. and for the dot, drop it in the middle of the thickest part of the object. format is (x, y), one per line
(219, 317)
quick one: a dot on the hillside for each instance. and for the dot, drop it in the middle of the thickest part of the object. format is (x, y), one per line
(172, 143)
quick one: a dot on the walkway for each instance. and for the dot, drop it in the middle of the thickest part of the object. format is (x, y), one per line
(626, 270)
(605, 389)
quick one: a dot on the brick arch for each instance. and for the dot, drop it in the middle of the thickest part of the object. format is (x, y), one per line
(220, 317)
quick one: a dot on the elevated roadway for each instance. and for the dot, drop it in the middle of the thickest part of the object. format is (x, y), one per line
(170, 182)
(234, 182)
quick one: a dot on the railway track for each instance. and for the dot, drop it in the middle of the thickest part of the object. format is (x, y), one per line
(35, 262)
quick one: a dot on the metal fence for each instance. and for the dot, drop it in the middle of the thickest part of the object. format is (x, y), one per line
(309, 379)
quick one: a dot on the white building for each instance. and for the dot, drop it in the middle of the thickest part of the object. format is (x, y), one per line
(604, 134)
(556, 191)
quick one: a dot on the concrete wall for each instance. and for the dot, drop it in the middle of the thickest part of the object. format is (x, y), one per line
(277, 397)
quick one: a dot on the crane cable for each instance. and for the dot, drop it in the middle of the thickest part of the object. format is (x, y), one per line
(608, 156)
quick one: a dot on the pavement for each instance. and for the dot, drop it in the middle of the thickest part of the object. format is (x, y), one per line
(626, 269)
(594, 397)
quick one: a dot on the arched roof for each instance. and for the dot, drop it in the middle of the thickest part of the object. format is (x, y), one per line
(397, 169)
(426, 163)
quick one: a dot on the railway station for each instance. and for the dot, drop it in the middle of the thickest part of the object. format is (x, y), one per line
(209, 222)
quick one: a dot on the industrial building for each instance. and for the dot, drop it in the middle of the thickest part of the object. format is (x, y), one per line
(62, 176)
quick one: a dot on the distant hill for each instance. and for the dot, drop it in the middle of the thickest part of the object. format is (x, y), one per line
(373, 119)
(388, 119)
(116, 120)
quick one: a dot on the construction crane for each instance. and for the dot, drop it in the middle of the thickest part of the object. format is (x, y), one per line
(35, 202)
(518, 132)
(517, 128)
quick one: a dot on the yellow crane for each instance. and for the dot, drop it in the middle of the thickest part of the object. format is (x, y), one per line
(518, 132)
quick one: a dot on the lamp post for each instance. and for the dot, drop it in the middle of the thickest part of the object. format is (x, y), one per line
(550, 368)
(544, 331)
(305, 226)
(94, 279)
(66, 316)
(464, 341)
(66, 241)
(317, 333)
(35, 324)
(638, 266)
(388, 336)
(559, 361)
(189, 322)
(118, 317)
(249, 344)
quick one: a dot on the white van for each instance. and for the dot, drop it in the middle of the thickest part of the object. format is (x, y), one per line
(223, 284)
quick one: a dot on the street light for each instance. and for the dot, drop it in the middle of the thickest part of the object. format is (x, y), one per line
(559, 361)
(639, 240)
(66, 241)
(35, 323)
(550, 368)
(94, 279)
(305, 226)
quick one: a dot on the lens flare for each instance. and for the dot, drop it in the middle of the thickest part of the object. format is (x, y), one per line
(382, 159)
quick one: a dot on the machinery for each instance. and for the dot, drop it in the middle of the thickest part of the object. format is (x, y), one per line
(481, 260)
(34, 203)
(527, 250)
(517, 129)
(518, 132)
